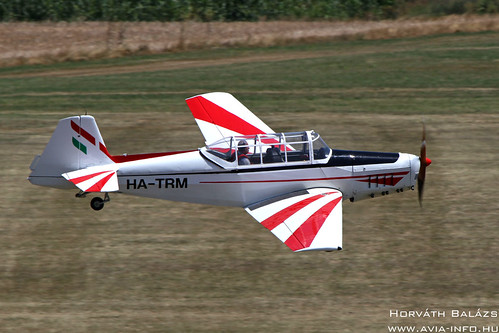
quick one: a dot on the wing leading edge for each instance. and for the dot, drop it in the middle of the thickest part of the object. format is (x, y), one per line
(305, 220)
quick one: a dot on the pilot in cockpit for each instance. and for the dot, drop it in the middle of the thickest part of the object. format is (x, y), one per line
(242, 151)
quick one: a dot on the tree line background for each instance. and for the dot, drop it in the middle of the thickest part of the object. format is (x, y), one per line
(234, 10)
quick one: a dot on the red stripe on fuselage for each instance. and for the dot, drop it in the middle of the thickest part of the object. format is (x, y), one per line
(121, 158)
(299, 180)
(388, 180)
(136, 157)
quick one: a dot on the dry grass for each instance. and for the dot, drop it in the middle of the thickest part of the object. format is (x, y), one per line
(41, 43)
(156, 266)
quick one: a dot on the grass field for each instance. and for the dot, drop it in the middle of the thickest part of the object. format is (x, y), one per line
(155, 266)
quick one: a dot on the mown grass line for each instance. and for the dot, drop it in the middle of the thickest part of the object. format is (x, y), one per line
(445, 72)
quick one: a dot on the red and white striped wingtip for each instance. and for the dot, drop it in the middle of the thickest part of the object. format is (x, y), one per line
(306, 221)
(220, 115)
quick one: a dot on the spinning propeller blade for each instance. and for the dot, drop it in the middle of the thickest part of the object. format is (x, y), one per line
(424, 162)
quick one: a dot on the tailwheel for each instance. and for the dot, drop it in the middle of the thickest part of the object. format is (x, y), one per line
(98, 203)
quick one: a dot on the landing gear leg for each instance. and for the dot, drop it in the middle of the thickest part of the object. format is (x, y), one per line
(98, 203)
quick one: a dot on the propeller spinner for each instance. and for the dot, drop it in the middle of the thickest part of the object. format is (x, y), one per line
(424, 162)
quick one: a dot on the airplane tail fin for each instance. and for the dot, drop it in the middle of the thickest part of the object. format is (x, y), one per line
(75, 144)
(220, 115)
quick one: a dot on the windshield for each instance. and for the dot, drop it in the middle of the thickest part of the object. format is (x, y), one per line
(321, 149)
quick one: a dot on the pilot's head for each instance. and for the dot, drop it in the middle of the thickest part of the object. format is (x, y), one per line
(242, 147)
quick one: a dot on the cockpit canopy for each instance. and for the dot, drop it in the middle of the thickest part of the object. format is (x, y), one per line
(260, 150)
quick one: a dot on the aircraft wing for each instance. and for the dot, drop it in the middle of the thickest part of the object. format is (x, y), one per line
(220, 115)
(305, 220)
(102, 178)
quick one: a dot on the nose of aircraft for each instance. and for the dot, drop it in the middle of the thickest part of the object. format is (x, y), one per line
(428, 161)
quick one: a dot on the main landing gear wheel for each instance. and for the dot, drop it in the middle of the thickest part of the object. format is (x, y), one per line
(98, 203)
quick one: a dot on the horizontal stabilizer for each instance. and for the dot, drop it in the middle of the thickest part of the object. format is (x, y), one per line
(103, 178)
(305, 220)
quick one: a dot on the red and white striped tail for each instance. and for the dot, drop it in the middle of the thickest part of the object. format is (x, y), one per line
(304, 221)
(75, 144)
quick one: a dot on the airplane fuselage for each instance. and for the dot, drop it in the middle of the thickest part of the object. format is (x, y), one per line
(190, 177)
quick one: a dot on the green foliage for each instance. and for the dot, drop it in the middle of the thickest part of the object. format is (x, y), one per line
(232, 10)
(448, 7)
